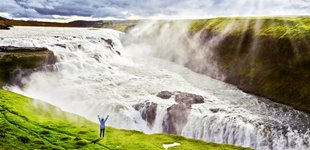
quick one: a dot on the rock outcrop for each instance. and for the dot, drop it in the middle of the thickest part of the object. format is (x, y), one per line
(164, 94)
(188, 99)
(147, 111)
(176, 118)
(177, 114)
(5, 27)
(19, 62)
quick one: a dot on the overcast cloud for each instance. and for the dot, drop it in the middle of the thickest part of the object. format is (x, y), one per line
(124, 9)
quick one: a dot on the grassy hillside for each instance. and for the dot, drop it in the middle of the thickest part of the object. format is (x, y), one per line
(266, 56)
(32, 124)
(277, 27)
(120, 25)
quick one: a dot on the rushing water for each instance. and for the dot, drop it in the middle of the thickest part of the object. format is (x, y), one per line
(92, 78)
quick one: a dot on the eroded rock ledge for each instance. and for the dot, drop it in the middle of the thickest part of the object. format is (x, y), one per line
(20, 62)
(177, 114)
(5, 27)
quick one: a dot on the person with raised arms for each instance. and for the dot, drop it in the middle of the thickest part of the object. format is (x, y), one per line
(102, 122)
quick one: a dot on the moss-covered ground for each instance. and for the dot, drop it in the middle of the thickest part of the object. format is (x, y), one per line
(277, 27)
(33, 124)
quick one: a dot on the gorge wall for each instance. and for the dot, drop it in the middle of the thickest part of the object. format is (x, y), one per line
(269, 57)
(19, 62)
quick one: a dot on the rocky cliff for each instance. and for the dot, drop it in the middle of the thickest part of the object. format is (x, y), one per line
(269, 57)
(19, 62)
(5, 27)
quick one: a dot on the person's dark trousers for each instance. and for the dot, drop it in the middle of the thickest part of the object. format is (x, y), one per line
(102, 132)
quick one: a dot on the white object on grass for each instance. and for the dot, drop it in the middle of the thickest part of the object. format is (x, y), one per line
(166, 146)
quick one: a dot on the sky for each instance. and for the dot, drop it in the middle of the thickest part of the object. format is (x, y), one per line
(68, 10)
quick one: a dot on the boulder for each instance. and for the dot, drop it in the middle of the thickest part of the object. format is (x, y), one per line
(177, 114)
(175, 119)
(164, 94)
(109, 42)
(188, 98)
(182, 97)
(148, 112)
(19, 62)
(5, 27)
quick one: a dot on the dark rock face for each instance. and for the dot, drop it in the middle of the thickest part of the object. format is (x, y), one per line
(5, 27)
(109, 42)
(188, 98)
(177, 114)
(164, 94)
(110, 45)
(19, 62)
(182, 97)
(148, 112)
(176, 118)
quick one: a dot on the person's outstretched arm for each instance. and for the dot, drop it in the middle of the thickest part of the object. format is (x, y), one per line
(99, 118)
(106, 118)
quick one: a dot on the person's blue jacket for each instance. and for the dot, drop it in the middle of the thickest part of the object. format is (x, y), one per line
(102, 122)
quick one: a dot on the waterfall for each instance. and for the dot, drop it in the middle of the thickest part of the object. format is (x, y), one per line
(97, 74)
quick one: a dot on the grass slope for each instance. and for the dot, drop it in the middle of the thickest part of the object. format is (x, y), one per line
(265, 56)
(276, 27)
(32, 124)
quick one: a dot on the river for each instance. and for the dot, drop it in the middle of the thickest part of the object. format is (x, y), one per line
(96, 74)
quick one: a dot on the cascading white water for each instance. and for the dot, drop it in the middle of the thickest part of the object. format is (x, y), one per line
(91, 79)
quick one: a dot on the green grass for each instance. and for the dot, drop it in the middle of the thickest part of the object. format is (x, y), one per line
(32, 124)
(280, 27)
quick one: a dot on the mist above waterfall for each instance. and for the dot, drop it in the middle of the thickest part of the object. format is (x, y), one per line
(171, 40)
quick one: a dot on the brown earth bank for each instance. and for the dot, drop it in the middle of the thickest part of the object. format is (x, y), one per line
(277, 68)
(19, 62)
(11, 22)
(120, 25)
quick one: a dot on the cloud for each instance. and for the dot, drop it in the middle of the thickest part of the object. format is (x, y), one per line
(152, 8)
